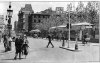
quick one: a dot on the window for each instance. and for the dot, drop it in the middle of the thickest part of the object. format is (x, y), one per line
(39, 20)
(39, 16)
(43, 16)
(34, 16)
(34, 21)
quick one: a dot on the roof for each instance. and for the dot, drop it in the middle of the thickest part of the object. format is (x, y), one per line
(88, 25)
(82, 23)
(40, 14)
(27, 7)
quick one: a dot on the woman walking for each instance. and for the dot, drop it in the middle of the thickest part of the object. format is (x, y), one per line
(25, 46)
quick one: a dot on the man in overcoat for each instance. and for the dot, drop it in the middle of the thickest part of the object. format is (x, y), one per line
(18, 47)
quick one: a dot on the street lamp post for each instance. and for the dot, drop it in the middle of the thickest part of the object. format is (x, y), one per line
(9, 12)
(69, 30)
(69, 9)
(9, 26)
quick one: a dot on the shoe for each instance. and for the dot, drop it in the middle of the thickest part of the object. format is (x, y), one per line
(5, 50)
(15, 58)
(20, 58)
(53, 47)
(46, 46)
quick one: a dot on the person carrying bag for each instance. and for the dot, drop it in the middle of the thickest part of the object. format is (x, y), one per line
(25, 46)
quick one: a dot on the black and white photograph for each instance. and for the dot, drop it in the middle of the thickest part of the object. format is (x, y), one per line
(49, 31)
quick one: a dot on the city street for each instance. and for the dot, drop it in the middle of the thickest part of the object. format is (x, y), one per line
(38, 53)
(77, 20)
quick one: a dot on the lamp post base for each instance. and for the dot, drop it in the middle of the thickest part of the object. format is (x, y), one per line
(68, 43)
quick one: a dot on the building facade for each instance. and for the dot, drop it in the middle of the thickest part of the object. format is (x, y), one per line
(2, 26)
(59, 10)
(23, 17)
(15, 26)
(28, 20)
(35, 19)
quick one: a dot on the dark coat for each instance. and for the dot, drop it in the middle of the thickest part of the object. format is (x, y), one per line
(49, 38)
(85, 36)
(18, 45)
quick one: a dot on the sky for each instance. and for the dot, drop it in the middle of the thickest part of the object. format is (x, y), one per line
(37, 6)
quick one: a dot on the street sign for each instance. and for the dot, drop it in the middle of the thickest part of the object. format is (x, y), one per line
(9, 26)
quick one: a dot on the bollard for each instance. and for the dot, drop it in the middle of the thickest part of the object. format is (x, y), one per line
(76, 45)
(63, 43)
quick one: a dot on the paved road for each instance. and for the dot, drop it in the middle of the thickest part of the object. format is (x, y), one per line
(38, 53)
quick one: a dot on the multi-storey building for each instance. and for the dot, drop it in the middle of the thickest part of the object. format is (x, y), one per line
(2, 25)
(23, 17)
(28, 20)
(35, 19)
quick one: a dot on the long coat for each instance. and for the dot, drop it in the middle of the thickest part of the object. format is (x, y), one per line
(18, 45)
(49, 38)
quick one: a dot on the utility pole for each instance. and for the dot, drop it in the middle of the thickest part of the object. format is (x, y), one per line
(69, 9)
(9, 26)
(9, 11)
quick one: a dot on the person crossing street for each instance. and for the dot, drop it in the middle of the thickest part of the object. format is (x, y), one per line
(49, 38)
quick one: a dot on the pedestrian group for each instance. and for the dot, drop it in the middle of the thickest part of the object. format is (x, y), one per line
(21, 45)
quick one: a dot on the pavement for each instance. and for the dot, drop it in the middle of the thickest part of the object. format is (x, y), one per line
(38, 53)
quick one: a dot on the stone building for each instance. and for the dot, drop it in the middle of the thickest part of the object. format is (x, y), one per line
(28, 20)
(2, 26)
(23, 17)
(35, 19)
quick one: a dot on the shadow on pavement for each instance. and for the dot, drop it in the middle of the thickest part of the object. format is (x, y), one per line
(7, 59)
(2, 51)
(7, 52)
(13, 59)
(73, 50)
